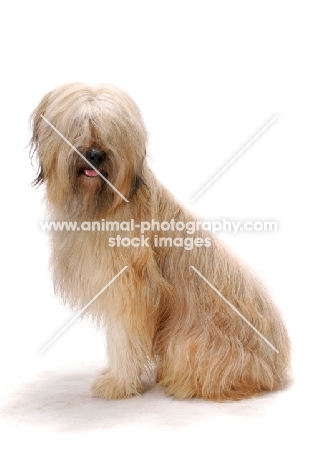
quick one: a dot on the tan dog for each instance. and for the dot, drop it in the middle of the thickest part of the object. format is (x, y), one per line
(159, 313)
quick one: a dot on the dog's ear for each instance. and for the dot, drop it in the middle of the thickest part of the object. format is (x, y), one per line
(36, 119)
(136, 184)
(35, 123)
(138, 179)
(38, 180)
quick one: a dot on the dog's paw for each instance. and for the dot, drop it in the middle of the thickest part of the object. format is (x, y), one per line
(110, 387)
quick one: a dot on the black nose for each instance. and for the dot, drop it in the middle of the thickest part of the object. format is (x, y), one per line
(95, 156)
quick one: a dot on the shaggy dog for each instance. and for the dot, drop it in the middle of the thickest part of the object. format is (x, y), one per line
(180, 303)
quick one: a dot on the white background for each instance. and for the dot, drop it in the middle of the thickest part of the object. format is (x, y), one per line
(207, 77)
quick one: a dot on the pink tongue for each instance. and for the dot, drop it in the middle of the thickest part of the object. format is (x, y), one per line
(90, 173)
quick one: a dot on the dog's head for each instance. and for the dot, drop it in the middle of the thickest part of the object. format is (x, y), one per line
(91, 146)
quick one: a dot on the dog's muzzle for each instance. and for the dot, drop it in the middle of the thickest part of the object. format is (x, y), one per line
(95, 156)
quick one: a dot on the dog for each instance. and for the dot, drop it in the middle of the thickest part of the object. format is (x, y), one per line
(193, 313)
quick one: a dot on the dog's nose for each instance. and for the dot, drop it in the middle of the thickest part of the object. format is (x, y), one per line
(95, 156)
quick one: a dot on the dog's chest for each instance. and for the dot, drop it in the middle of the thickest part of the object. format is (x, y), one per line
(81, 262)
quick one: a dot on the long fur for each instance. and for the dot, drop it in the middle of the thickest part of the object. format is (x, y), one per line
(159, 313)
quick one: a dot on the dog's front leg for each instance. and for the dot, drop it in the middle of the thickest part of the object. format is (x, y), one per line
(128, 348)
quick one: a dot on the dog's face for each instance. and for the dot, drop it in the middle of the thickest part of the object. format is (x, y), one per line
(91, 146)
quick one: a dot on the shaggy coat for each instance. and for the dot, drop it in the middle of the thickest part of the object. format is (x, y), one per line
(159, 313)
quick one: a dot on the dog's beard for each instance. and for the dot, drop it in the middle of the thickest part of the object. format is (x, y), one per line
(76, 192)
(90, 195)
